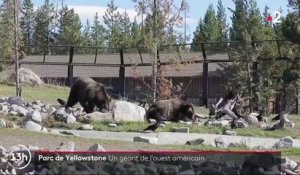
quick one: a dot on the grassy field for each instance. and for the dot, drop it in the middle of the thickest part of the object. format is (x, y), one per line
(49, 94)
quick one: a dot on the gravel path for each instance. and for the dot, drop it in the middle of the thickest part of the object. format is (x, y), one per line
(179, 138)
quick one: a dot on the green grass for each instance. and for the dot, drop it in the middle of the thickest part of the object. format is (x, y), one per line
(45, 93)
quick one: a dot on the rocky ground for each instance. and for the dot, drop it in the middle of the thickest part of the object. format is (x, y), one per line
(36, 113)
(253, 164)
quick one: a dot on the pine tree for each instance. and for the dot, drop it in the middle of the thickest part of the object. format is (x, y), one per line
(135, 34)
(197, 36)
(69, 32)
(208, 30)
(7, 28)
(27, 23)
(112, 20)
(43, 34)
(221, 17)
(98, 32)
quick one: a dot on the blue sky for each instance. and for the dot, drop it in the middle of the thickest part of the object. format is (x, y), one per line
(87, 8)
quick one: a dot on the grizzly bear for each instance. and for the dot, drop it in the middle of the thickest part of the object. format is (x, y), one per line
(170, 110)
(89, 94)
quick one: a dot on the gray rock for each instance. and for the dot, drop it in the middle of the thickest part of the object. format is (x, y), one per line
(2, 123)
(15, 100)
(3, 151)
(180, 129)
(285, 142)
(195, 141)
(37, 107)
(3, 99)
(144, 139)
(187, 172)
(288, 171)
(126, 111)
(220, 123)
(31, 125)
(37, 102)
(13, 113)
(240, 123)
(19, 109)
(220, 142)
(26, 76)
(291, 165)
(77, 112)
(3, 107)
(260, 147)
(234, 145)
(201, 116)
(67, 146)
(263, 125)
(112, 125)
(54, 131)
(231, 133)
(252, 119)
(36, 116)
(87, 127)
(71, 119)
(184, 122)
(96, 147)
(162, 125)
(98, 116)
(265, 119)
(60, 114)
(33, 148)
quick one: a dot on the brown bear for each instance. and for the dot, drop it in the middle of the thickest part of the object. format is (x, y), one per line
(89, 94)
(169, 110)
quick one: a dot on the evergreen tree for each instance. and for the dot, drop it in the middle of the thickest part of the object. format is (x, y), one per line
(112, 20)
(221, 17)
(69, 32)
(98, 32)
(44, 26)
(135, 34)
(7, 28)
(208, 30)
(197, 36)
(86, 34)
(27, 23)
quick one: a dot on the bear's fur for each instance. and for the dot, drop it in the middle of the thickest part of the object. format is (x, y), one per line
(89, 94)
(171, 110)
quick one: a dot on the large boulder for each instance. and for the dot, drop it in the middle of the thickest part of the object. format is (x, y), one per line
(26, 76)
(126, 111)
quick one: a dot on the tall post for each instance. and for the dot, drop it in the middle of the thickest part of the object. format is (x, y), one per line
(16, 42)
(70, 67)
(154, 54)
(204, 78)
(122, 73)
(298, 102)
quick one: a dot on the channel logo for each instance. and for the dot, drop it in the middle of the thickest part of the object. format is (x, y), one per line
(19, 156)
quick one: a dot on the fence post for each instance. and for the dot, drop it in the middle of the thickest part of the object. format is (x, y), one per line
(204, 78)
(298, 102)
(70, 66)
(122, 73)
